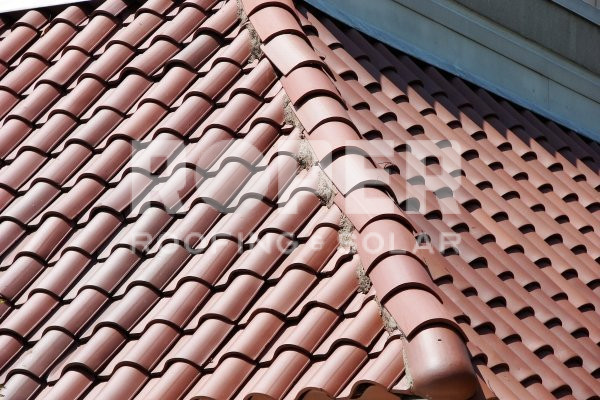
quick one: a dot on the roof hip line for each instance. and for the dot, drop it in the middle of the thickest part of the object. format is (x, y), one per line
(435, 352)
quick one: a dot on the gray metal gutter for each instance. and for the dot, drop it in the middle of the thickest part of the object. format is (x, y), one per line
(457, 39)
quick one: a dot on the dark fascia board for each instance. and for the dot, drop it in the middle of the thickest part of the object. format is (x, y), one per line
(582, 9)
(456, 39)
(554, 27)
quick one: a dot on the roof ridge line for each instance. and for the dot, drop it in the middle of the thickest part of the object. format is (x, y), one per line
(434, 349)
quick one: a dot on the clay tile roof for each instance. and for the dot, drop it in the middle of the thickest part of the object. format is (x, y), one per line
(221, 199)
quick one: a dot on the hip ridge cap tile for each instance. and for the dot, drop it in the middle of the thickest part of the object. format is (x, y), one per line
(433, 373)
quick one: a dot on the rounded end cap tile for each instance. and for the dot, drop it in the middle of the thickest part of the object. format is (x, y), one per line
(289, 51)
(439, 365)
(33, 18)
(73, 15)
(365, 205)
(319, 110)
(308, 81)
(397, 273)
(416, 309)
(110, 8)
(271, 21)
(382, 238)
(71, 386)
(252, 6)
(20, 386)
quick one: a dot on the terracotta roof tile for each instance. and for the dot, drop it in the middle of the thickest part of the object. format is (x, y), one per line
(183, 217)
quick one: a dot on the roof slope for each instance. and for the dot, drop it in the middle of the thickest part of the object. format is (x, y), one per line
(172, 226)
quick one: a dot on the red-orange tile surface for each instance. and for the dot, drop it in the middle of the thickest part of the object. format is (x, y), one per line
(222, 199)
